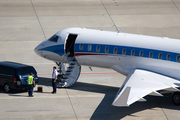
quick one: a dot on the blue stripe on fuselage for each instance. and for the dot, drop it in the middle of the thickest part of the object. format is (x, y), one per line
(128, 51)
(58, 49)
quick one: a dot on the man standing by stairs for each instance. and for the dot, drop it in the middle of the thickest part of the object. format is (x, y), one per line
(54, 77)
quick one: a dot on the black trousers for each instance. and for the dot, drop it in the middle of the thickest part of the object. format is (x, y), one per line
(30, 90)
(54, 86)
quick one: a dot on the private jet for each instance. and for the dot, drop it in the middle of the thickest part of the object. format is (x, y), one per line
(151, 64)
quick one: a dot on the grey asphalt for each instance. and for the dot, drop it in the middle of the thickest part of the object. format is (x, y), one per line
(26, 23)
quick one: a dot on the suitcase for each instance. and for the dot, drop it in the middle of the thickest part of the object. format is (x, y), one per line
(40, 89)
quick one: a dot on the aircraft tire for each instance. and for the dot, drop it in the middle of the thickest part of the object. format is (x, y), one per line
(176, 98)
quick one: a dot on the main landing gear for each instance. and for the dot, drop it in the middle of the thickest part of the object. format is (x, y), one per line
(176, 98)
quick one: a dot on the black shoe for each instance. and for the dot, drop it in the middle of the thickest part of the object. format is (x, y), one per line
(52, 92)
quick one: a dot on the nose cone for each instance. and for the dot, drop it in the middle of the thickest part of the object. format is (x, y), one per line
(37, 50)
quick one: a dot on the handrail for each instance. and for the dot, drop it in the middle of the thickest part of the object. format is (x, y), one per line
(66, 56)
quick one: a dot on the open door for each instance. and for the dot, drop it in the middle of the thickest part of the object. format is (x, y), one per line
(70, 44)
(73, 70)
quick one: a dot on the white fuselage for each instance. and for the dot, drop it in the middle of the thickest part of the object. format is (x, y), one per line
(122, 52)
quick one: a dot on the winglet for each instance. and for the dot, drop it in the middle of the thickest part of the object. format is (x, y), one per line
(121, 99)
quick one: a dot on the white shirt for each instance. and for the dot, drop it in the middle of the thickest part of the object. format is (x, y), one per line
(55, 73)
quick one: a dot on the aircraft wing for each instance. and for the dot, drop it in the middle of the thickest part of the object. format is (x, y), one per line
(140, 83)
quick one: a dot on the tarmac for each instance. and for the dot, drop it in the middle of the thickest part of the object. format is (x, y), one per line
(26, 23)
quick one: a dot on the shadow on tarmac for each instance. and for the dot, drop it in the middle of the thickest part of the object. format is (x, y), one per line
(106, 111)
(14, 92)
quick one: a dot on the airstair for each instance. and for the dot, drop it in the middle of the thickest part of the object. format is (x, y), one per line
(68, 68)
(71, 72)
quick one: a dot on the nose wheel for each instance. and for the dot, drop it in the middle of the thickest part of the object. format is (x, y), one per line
(176, 98)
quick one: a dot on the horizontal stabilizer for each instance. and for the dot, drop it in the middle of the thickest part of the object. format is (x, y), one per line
(154, 93)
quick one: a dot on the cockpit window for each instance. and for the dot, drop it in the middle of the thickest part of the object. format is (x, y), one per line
(54, 38)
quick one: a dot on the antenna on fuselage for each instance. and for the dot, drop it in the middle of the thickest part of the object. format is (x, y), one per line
(119, 31)
(90, 68)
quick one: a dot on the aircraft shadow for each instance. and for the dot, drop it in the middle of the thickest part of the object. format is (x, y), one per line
(105, 111)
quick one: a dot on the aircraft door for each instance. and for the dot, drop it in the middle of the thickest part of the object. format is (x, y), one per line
(69, 46)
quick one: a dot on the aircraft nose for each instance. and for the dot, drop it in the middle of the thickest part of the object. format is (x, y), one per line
(37, 49)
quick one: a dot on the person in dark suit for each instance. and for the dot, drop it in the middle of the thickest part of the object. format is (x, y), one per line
(54, 78)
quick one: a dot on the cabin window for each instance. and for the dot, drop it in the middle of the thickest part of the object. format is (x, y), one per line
(151, 55)
(89, 47)
(178, 58)
(124, 51)
(160, 56)
(132, 52)
(54, 38)
(168, 57)
(141, 53)
(106, 49)
(98, 48)
(81, 46)
(115, 50)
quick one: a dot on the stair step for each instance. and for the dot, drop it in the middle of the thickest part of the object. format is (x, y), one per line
(70, 67)
(68, 73)
(73, 60)
(59, 75)
(64, 77)
(69, 70)
(63, 80)
(69, 76)
(72, 63)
